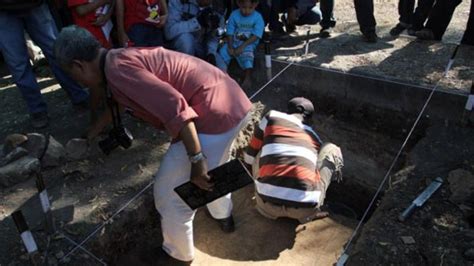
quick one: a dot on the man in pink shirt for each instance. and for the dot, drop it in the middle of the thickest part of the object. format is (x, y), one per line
(201, 108)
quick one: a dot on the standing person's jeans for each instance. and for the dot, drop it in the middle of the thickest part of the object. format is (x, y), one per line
(365, 15)
(40, 26)
(440, 17)
(405, 10)
(327, 8)
(468, 37)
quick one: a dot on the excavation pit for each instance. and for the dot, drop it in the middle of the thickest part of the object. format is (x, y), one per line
(369, 118)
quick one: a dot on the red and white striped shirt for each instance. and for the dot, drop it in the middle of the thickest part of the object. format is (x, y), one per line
(288, 171)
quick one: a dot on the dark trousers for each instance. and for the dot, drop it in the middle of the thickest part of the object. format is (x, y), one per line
(365, 15)
(327, 8)
(422, 12)
(440, 16)
(405, 10)
(468, 37)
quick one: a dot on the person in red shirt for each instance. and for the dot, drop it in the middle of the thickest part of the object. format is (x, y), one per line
(140, 22)
(95, 17)
(197, 104)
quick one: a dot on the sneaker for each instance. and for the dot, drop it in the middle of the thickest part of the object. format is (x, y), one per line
(39, 120)
(227, 224)
(370, 36)
(425, 34)
(325, 32)
(395, 31)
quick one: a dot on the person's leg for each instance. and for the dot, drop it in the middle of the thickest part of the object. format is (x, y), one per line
(327, 11)
(223, 58)
(42, 30)
(441, 16)
(274, 18)
(13, 47)
(365, 15)
(311, 17)
(185, 43)
(405, 9)
(330, 163)
(176, 216)
(421, 13)
(468, 37)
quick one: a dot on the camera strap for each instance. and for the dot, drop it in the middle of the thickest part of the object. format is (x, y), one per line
(112, 104)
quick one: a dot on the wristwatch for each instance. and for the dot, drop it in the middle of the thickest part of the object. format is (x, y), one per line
(197, 157)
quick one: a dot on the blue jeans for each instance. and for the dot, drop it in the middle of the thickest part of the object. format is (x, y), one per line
(40, 26)
(188, 43)
(144, 35)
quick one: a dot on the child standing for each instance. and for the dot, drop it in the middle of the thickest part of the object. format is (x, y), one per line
(244, 30)
(140, 22)
(94, 16)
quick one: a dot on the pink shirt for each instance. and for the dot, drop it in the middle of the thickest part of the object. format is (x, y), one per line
(167, 88)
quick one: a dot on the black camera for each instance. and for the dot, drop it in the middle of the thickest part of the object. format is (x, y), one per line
(118, 136)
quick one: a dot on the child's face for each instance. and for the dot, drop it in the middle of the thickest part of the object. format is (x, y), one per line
(246, 7)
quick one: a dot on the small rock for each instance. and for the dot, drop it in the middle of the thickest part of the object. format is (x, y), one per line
(407, 240)
(36, 144)
(55, 154)
(19, 171)
(12, 141)
(469, 254)
(14, 155)
(76, 149)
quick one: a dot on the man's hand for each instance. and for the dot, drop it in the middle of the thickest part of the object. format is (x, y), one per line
(199, 175)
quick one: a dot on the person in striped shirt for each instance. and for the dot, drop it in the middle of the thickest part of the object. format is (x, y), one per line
(292, 166)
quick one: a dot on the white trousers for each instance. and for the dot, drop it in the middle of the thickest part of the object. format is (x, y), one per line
(176, 216)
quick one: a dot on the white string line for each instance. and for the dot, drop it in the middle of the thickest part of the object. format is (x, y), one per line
(108, 220)
(83, 249)
(379, 189)
(454, 92)
(270, 81)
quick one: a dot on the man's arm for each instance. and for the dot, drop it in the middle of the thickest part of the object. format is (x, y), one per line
(189, 137)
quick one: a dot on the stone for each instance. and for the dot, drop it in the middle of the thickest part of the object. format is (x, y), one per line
(461, 184)
(19, 171)
(408, 240)
(36, 144)
(77, 149)
(14, 155)
(55, 154)
(469, 254)
(12, 141)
